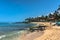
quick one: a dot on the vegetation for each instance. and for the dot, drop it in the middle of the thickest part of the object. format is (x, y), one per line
(51, 17)
(31, 29)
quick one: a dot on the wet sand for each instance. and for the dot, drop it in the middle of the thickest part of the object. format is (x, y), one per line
(31, 36)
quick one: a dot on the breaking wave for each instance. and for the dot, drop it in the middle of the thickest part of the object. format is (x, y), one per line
(2, 36)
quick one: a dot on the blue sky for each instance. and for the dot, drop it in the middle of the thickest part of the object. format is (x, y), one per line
(18, 10)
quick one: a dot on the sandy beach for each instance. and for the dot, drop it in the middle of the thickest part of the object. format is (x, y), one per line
(31, 36)
(52, 33)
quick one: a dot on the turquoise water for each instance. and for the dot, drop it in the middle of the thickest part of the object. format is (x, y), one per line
(12, 35)
(58, 23)
(11, 31)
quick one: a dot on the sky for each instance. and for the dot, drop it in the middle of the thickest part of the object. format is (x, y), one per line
(18, 10)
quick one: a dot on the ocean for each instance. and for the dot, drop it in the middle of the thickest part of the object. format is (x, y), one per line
(9, 31)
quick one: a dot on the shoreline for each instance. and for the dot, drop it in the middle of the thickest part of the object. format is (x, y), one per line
(31, 36)
(51, 33)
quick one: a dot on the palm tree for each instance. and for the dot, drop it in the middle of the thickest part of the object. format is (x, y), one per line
(46, 18)
(58, 8)
(50, 15)
(43, 18)
(56, 16)
(28, 19)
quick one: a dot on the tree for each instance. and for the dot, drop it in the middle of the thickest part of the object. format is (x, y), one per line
(46, 18)
(50, 15)
(28, 19)
(56, 16)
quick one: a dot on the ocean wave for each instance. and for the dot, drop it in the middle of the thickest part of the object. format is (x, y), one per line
(2, 36)
(11, 35)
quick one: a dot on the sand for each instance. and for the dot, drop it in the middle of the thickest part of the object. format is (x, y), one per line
(31, 36)
(51, 33)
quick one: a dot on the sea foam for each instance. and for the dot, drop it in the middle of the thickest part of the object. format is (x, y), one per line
(2, 36)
